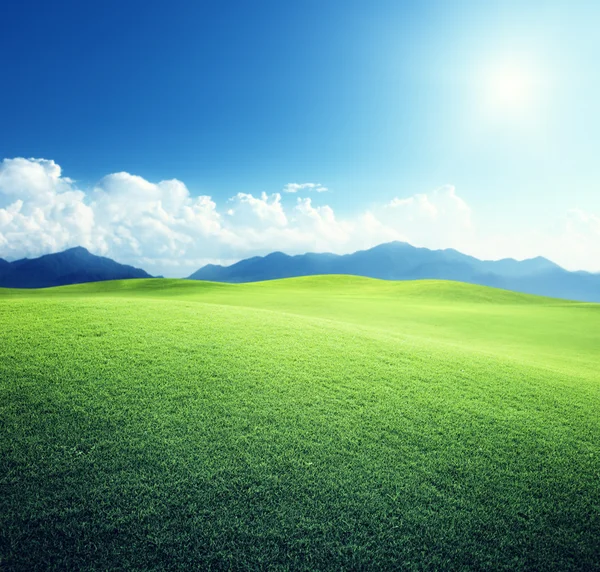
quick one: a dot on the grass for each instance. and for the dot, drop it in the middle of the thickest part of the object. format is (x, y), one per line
(314, 423)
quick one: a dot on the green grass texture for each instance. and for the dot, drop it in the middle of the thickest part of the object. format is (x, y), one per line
(317, 423)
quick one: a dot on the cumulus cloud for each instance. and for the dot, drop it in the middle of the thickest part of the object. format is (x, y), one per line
(267, 210)
(576, 243)
(295, 187)
(124, 216)
(440, 202)
(164, 229)
(40, 211)
(439, 218)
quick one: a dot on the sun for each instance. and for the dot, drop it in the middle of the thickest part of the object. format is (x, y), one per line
(509, 88)
(511, 92)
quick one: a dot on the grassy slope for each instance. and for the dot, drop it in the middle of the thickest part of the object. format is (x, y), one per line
(310, 423)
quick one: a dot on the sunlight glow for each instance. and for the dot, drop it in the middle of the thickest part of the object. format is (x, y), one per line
(511, 92)
(510, 88)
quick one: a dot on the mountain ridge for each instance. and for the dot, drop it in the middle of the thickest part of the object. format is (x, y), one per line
(402, 261)
(72, 266)
(388, 261)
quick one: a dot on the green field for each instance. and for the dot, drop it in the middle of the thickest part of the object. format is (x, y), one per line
(319, 423)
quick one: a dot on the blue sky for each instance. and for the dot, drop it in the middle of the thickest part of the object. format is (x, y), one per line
(411, 115)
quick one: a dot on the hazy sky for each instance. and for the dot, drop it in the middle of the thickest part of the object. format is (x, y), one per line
(171, 134)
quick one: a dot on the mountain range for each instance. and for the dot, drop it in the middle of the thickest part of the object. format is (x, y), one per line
(402, 261)
(71, 266)
(390, 261)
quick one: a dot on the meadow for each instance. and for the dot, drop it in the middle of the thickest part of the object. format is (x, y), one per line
(318, 423)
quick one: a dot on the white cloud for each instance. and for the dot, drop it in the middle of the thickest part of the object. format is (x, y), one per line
(162, 228)
(438, 219)
(441, 202)
(40, 211)
(576, 243)
(295, 187)
(264, 210)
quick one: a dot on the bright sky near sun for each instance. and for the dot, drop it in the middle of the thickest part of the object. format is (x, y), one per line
(168, 135)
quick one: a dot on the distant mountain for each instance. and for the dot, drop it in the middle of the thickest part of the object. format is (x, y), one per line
(72, 266)
(401, 261)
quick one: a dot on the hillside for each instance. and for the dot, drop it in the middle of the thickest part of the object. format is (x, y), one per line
(401, 261)
(328, 422)
(72, 266)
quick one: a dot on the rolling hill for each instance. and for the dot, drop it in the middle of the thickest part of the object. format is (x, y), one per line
(401, 261)
(72, 266)
(314, 423)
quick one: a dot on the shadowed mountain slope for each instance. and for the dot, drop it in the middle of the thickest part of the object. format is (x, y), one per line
(72, 266)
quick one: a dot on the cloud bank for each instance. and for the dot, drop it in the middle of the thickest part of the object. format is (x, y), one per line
(164, 229)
